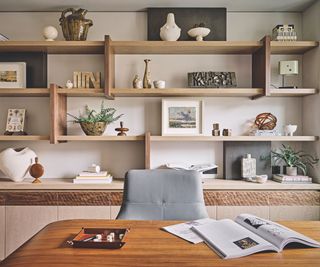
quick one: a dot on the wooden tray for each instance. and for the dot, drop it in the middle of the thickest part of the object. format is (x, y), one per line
(85, 233)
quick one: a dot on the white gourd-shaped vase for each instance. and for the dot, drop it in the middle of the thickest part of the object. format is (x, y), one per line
(170, 31)
(15, 163)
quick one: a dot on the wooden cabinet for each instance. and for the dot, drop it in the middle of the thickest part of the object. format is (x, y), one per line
(22, 222)
(83, 212)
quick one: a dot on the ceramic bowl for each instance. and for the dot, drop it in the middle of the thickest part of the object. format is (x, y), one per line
(199, 33)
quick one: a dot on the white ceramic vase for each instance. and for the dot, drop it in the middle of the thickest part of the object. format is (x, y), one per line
(50, 33)
(15, 163)
(170, 31)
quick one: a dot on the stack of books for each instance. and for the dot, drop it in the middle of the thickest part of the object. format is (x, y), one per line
(286, 179)
(3, 38)
(102, 177)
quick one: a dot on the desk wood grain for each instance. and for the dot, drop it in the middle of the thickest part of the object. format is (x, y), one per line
(148, 246)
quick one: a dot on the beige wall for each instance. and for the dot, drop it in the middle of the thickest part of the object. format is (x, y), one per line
(142, 114)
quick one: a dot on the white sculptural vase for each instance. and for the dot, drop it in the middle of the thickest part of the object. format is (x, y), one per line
(15, 163)
(170, 31)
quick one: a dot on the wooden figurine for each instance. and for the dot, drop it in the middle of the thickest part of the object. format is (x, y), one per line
(122, 131)
(36, 171)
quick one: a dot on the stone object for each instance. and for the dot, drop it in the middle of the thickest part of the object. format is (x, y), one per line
(159, 84)
(227, 132)
(50, 33)
(170, 31)
(212, 79)
(137, 82)
(15, 163)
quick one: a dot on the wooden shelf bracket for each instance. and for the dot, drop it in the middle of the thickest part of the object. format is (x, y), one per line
(109, 65)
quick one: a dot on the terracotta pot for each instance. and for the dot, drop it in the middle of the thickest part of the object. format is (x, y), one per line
(291, 171)
(93, 128)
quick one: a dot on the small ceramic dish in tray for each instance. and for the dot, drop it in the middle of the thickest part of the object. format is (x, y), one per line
(108, 238)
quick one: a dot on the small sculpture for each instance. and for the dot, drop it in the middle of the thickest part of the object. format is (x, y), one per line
(215, 129)
(199, 31)
(170, 31)
(75, 26)
(50, 33)
(36, 171)
(266, 121)
(137, 82)
(159, 84)
(122, 131)
(290, 129)
(15, 163)
(146, 77)
(69, 84)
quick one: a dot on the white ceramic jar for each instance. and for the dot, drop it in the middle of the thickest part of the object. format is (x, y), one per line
(170, 31)
(15, 163)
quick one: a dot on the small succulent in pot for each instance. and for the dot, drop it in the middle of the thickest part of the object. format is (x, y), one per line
(93, 122)
(294, 160)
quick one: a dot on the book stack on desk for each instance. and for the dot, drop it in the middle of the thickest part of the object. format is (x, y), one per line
(287, 179)
(102, 177)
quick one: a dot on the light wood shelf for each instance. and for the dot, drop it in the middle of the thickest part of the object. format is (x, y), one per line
(24, 138)
(297, 47)
(293, 92)
(54, 47)
(81, 92)
(233, 138)
(187, 92)
(185, 47)
(24, 92)
(100, 138)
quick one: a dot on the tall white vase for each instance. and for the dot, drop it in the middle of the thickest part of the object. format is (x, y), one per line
(16, 163)
(170, 31)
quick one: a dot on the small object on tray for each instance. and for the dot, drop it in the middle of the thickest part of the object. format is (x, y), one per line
(107, 238)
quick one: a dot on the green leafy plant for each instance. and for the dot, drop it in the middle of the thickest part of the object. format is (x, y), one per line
(293, 158)
(106, 115)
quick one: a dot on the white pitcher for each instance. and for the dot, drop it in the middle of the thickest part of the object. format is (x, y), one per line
(15, 163)
(170, 31)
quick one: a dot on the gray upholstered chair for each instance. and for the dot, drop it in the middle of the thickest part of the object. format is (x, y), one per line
(162, 195)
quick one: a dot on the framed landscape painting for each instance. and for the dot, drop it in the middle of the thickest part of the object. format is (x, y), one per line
(182, 117)
(12, 74)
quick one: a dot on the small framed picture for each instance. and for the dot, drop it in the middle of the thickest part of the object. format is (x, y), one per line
(182, 117)
(13, 75)
(15, 120)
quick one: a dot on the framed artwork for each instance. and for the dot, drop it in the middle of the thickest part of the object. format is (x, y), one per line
(13, 75)
(182, 117)
(15, 120)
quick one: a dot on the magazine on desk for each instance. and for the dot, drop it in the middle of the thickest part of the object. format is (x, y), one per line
(247, 235)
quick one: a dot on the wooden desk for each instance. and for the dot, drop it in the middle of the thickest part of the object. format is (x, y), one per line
(148, 246)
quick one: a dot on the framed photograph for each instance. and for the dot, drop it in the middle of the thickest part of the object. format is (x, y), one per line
(13, 75)
(15, 120)
(182, 117)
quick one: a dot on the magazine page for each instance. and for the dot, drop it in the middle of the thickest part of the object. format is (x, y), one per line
(183, 230)
(275, 233)
(230, 240)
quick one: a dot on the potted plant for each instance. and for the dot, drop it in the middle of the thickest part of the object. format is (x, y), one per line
(294, 160)
(93, 122)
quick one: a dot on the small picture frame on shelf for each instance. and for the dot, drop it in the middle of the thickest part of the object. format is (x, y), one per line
(182, 117)
(13, 75)
(15, 120)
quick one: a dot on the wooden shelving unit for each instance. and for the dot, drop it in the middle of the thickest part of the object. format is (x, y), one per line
(188, 92)
(81, 92)
(233, 138)
(100, 138)
(54, 47)
(185, 47)
(297, 92)
(24, 92)
(297, 47)
(24, 138)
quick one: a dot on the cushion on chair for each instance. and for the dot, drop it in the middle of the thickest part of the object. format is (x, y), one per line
(162, 195)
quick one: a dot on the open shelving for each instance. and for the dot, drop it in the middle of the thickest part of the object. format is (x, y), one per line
(100, 138)
(24, 138)
(24, 92)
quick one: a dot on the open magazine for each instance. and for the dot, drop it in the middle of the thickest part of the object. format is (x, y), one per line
(248, 234)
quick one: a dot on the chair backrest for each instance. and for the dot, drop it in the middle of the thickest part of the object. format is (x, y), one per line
(162, 195)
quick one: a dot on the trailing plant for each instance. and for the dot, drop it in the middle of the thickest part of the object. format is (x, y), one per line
(106, 115)
(293, 158)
